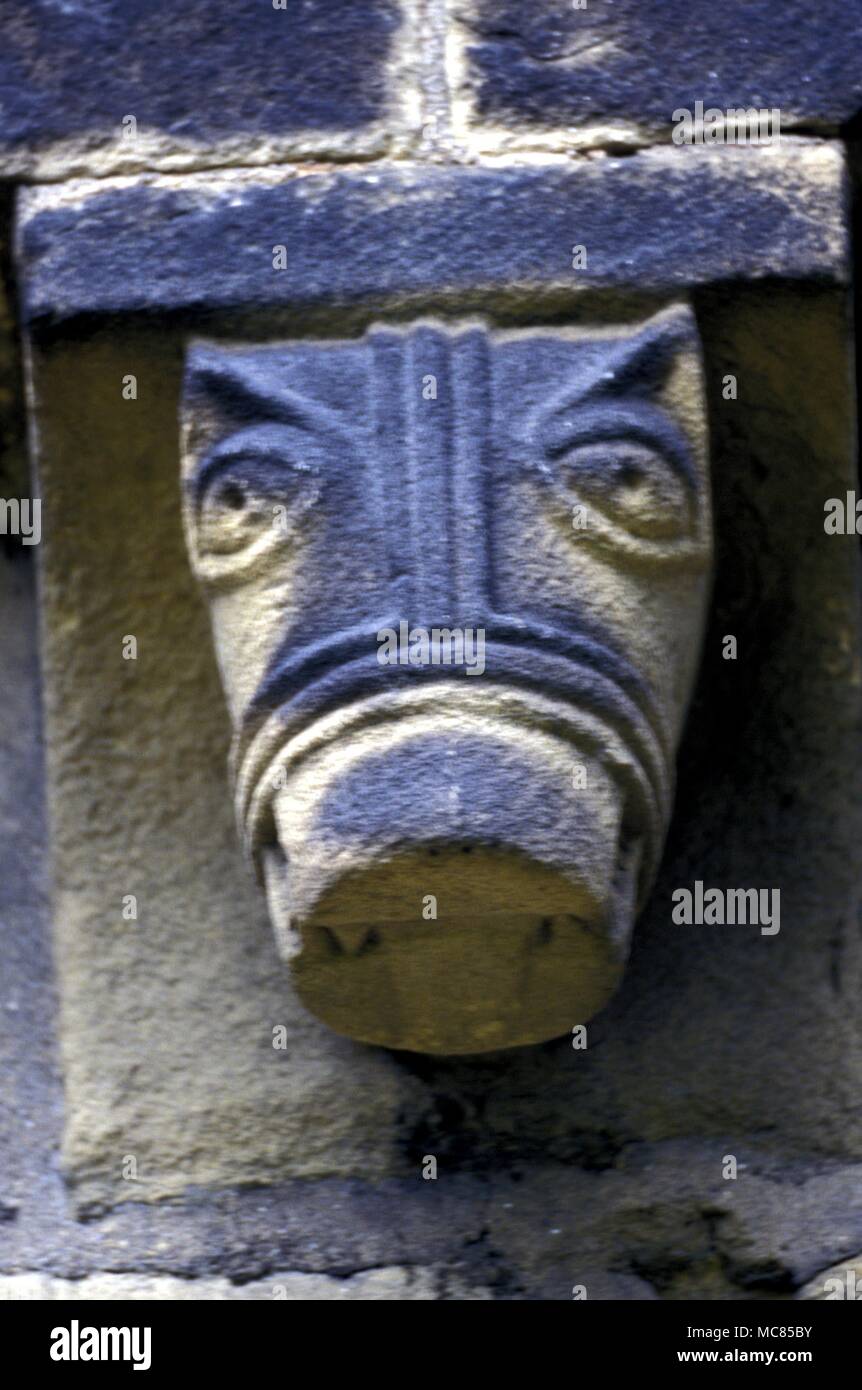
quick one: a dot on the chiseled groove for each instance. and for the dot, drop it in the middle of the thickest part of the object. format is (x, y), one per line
(644, 778)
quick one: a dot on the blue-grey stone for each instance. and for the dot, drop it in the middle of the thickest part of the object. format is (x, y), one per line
(408, 468)
(623, 60)
(196, 73)
(657, 221)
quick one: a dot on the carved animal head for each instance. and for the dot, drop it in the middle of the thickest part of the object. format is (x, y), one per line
(457, 580)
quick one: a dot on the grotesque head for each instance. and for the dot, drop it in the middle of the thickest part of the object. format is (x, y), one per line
(457, 580)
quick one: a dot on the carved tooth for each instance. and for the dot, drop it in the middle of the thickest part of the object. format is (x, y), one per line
(545, 932)
(332, 940)
(351, 939)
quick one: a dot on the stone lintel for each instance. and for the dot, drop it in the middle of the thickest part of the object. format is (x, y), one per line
(662, 220)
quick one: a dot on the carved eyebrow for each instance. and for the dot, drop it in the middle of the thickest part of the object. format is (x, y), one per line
(637, 362)
(263, 443)
(252, 395)
(633, 421)
(605, 398)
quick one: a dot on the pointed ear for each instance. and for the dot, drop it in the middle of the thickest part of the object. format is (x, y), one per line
(632, 364)
(248, 391)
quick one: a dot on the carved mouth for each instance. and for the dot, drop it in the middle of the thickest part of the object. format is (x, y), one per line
(485, 972)
(357, 787)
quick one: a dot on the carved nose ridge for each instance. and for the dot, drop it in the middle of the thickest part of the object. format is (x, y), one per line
(454, 892)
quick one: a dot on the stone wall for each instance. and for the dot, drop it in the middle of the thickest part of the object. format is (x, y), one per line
(416, 160)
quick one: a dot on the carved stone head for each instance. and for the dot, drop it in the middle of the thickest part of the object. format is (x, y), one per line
(457, 580)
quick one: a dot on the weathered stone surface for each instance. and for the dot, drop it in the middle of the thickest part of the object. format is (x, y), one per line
(617, 69)
(671, 1216)
(28, 1004)
(335, 1226)
(543, 1180)
(840, 1283)
(14, 464)
(378, 1285)
(657, 1221)
(167, 1022)
(217, 1040)
(774, 1227)
(453, 865)
(659, 221)
(235, 81)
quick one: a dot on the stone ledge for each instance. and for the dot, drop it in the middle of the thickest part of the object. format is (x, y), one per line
(662, 1223)
(394, 1283)
(661, 220)
(840, 1282)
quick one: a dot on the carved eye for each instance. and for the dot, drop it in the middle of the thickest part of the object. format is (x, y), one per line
(250, 498)
(631, 484)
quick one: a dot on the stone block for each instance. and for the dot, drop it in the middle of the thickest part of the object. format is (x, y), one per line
(115, 87)
(606, 72)
(278, 245)
(840, 1283)
(377, 1285)
(168, 1020)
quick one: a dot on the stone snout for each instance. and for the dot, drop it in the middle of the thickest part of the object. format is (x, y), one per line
(437, 857)
(455, 838)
